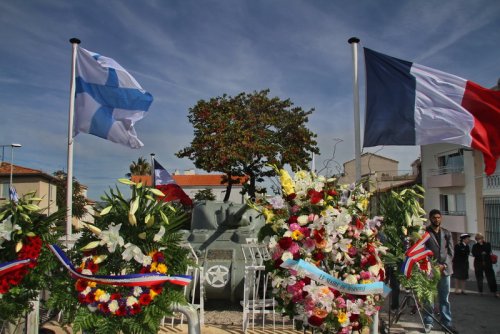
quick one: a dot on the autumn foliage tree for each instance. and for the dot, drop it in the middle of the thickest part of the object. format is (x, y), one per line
(240, 135)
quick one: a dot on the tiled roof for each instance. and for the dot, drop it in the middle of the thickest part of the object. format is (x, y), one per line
(21, 171)
(193, 180)
(203, 180)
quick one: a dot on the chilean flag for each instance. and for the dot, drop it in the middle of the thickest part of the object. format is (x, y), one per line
(410, 104)
(164, 182)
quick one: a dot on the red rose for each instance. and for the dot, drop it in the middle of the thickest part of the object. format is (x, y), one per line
(158, 289)
(292, 220)
(291, 197)
(115, 296)
(80, 285)
(136, 308)
(103, 307)
(332, 192)
(285, 243)
(277, 263)
(122, 311)
(316, 321)
(316, 196)
(145, 299)
(318, 256)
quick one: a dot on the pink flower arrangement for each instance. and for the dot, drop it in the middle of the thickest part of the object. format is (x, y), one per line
(326, 225)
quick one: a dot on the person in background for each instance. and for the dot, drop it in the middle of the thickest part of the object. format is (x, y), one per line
(461, 263)
(441, 245)
(482, 264)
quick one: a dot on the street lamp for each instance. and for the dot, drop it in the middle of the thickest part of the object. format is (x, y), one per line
(12, 162)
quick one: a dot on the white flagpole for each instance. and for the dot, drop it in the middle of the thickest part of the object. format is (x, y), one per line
(153, 170)
(69, 191)
(357, 136)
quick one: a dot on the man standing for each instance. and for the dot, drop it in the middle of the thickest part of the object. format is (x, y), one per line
(441, 245)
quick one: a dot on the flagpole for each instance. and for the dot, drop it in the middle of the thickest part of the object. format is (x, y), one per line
(357, 136)
(153, 170)
(69, 182)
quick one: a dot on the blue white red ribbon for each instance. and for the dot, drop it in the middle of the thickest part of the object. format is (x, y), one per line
(416, 253)
(13, 265)
(322, 277)
(148, 279)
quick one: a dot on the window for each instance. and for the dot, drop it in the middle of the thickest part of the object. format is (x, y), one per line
(452, 204)
(492, 221)
(451, 163)
(4, 190)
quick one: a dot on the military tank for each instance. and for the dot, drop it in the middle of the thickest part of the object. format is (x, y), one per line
(218, 230)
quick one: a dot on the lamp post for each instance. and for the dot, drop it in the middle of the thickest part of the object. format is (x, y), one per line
(12, 162)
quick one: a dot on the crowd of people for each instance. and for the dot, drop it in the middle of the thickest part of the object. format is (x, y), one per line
(453, 261)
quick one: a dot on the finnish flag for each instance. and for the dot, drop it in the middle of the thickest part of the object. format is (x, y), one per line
(108, 99)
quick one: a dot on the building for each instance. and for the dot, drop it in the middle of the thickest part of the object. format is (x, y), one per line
(27, 180)
(468, 199)
(380, 172)
(191, 183)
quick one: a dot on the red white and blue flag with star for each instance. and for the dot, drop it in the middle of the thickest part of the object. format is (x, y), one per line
(108, 99)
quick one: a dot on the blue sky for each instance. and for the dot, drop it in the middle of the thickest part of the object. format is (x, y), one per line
(185, 51)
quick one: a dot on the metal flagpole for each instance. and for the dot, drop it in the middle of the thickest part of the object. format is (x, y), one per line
(357, 136)
(69, 182)
(153, 170)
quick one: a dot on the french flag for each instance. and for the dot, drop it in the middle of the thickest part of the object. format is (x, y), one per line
(411, 104)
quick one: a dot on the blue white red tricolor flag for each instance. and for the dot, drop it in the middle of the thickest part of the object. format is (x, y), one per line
(411, 104)
(108, 99)
(149, 279)
(164, 182)
(416, 253)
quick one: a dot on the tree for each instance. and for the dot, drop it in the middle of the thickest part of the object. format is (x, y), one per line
(79, 200)
(241, 135)
(204, 195)
(141, 167)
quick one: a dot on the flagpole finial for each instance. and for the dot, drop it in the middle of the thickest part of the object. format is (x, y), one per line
(152, 154)
(74, 41)
(353, 40)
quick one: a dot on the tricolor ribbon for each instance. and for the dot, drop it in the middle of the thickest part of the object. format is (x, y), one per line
(313, 272)
(416, 253)
(7, 267)
(149, 279)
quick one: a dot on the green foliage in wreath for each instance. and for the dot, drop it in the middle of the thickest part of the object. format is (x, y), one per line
(124, 239)
(404, 220)
(23, 232)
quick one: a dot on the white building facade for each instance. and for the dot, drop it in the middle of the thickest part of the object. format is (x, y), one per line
(469, 200)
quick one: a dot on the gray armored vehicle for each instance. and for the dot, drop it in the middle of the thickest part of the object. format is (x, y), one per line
(218, 231)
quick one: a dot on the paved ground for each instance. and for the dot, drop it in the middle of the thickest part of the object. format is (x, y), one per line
(472, 314)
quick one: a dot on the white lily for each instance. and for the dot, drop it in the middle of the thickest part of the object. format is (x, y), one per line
(133, 252)
(7, 228)
(111, 237)
(160, 234)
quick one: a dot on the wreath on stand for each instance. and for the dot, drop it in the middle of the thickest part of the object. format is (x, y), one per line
(404, 230)
(23, 259)
(326, 265)
(124, 265)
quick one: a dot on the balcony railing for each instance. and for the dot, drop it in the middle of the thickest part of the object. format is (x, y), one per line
(446, 170)
(491, 182)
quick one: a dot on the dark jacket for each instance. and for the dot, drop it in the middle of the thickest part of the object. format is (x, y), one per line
(444, 253)
(482, 255)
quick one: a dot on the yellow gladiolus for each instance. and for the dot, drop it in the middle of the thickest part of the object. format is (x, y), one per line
(286, 182)
(268, 214)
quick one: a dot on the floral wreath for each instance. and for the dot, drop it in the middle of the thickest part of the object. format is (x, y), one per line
(29, 248)
(123, 262)
(123, 303)
(318, 229)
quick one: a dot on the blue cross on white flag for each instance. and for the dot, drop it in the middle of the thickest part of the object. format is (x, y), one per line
(108, 99)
